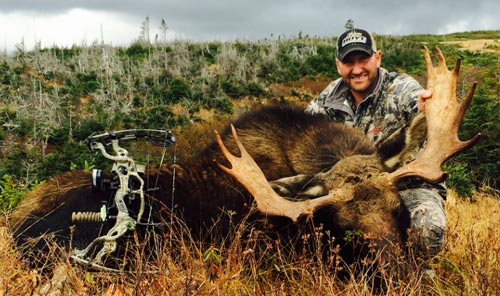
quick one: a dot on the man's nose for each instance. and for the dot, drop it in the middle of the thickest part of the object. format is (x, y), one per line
(357, 68)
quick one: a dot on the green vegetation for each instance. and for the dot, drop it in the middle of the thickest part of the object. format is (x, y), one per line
(51, 99)
(11, 193)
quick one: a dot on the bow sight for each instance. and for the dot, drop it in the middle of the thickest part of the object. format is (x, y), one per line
(126, 184)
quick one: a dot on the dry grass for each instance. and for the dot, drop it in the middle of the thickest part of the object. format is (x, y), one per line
(479, 45)
(469, 265)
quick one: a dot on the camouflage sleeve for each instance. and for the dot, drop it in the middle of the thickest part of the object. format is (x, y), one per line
(316, 106)
(408, 90)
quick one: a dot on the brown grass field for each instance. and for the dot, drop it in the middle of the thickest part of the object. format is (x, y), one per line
(468, 265)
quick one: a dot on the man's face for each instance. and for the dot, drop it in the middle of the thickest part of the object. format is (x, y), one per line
(359, 71)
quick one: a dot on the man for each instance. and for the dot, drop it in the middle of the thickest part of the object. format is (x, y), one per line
(380, 102)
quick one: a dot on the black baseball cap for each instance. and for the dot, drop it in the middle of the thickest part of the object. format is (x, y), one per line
(355, 40)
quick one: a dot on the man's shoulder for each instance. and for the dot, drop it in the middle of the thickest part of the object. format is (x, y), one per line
(398, 80)
(331, 97)
(333, 92)
(401, 87)
(331, 86)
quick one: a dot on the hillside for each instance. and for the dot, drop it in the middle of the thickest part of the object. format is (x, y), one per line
(53, 98)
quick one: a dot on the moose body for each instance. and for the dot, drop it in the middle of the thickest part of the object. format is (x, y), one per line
(307, 145)
(324, 172)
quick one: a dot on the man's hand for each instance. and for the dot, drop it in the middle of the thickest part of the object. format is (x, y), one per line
(424, 96)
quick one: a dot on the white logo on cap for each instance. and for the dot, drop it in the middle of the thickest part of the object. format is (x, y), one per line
(353, 37)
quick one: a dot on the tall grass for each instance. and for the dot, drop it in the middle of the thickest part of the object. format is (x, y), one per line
(254, 265)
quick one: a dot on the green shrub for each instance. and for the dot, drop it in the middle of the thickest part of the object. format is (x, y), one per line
(82, 84)
(256, 90)
(223, 105)
(11, 193)
(137, 51)
(3, 134)
(71, 154)
(178, 89)
(483, 159)
(59, 136)
(459, 179)
(159, 117)
(87, 128)
(233, 89)
(12, 163)
(323, 63)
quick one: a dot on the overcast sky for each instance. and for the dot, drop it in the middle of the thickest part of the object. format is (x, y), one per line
(118, 22)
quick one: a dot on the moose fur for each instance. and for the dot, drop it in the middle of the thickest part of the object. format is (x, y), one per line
(284, 141)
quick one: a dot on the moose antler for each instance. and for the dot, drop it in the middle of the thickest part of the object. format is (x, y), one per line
(444, 115)
(246, 171)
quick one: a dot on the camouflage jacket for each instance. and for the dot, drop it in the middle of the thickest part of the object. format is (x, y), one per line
(391, 105)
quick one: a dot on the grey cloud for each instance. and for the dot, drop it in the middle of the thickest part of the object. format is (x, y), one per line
(261, 18)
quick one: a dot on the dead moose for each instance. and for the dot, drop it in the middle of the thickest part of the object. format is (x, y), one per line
(324, 173)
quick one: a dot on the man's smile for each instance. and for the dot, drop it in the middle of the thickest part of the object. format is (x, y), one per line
(359, 77)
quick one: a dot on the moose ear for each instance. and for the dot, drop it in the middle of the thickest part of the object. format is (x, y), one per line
(403, 145)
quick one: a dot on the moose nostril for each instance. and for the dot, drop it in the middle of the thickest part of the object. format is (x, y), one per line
(352, 179)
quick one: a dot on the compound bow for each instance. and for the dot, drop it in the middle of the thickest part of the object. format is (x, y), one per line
(127, 185)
